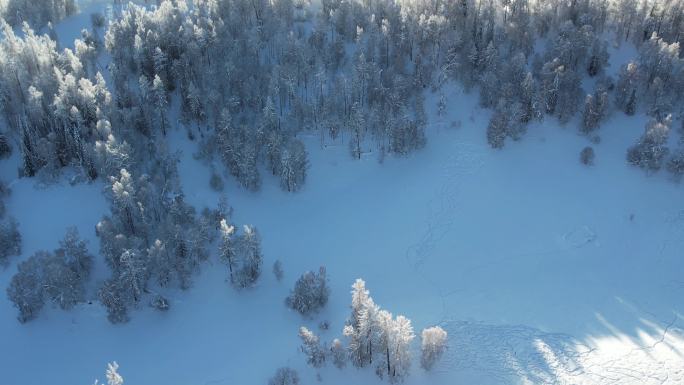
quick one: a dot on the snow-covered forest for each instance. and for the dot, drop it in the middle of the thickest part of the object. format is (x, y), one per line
(203, 192)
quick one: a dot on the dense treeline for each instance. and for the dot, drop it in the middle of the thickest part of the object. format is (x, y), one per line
(252, 75)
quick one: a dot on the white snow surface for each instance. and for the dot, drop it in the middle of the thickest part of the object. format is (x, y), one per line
(542, 270)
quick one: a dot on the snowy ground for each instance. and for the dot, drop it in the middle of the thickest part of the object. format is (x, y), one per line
(543, 271)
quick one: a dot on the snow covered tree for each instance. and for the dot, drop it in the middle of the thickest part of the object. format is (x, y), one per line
(357, 125)
(112, 298)
(61, 284)
(401, 336)
(659, 99)
(293, 165)
(598, 57)
(26, 287)
(433, 345)
(5, 148)
(338, 354)
(161, 263)
(37, 13)
(4, 192)
(238, 148)
(497, 129)
(67, 271)
(227, 248)
(248, 257)
(112, 374)
(74, 252)
(405, 135)
(284, 376)
(310, 293)
(159, 101)
(311, 347)
(361, 327)
(594, 112)
(58, 277)
(587, 156)
(111, 155)
(393, 338)
(125, 203)
(530, 99)
(132, 277)
(10, 240)
(676, 164)
(626, 88)
(561, 89)
(651, 149)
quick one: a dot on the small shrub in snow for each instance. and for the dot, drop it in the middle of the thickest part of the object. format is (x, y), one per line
(310, 292)
(284, 376)
(215, 182)
(587, 156)
(433, 346)
(278, 270)
(160, 303)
